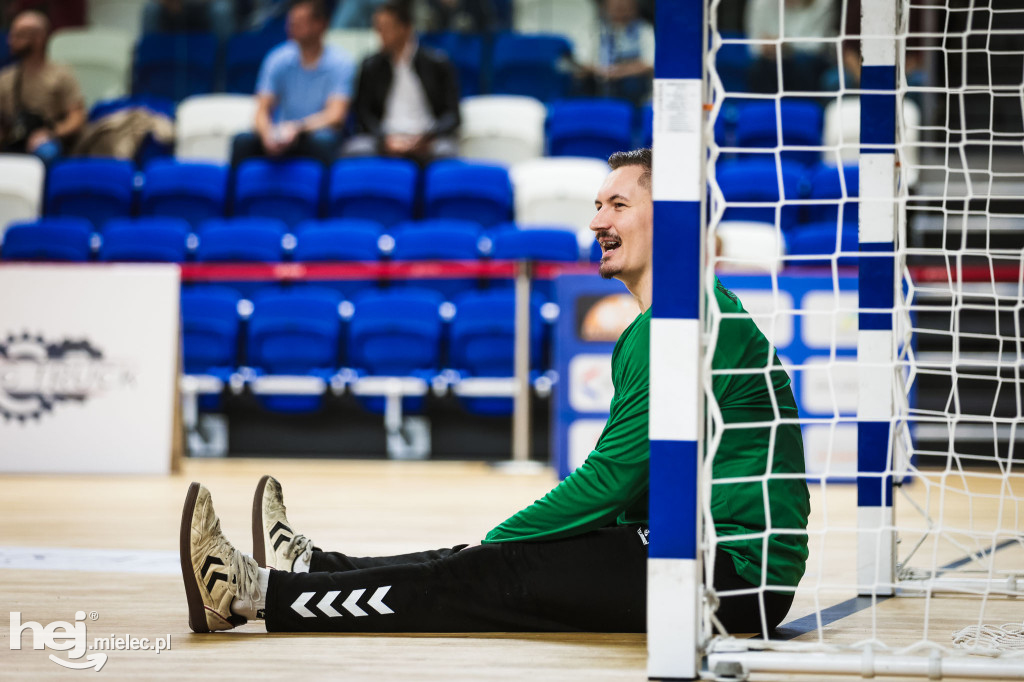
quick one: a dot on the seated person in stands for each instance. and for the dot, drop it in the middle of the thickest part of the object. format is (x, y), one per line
(41, 106)
(407, 103)
(624, 64)
(217, 16)
(303, 90)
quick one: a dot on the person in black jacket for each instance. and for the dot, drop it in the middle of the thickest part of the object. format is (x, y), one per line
(407, 100)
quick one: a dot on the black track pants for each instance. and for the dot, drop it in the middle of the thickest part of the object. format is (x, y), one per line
(594, 582)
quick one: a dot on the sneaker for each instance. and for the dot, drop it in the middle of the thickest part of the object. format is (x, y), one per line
(215, 573)
(274, 543)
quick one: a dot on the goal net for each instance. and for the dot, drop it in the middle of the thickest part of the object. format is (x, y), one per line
(866, 203)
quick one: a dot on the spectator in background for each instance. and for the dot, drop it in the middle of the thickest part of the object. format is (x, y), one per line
(407, 103)
(61, 13)
(624, 64)
(217, 16)
(41, 107)
(303, 92)
(804, 62)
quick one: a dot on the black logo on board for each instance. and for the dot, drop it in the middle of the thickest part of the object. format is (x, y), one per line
(37, 374)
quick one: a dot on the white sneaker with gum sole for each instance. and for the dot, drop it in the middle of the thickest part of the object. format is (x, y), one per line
(274, 543)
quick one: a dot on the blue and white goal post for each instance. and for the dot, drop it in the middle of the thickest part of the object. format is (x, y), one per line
(904, 345)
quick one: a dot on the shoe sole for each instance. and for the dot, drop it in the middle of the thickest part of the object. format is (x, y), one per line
(259, 547)
(196, 608)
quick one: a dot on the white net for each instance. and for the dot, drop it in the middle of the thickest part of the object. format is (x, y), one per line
(784, 147)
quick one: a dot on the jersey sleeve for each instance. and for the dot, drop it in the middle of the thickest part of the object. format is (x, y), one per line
(613, 477)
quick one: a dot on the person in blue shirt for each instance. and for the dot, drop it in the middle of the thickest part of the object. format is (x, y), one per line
(303, 91)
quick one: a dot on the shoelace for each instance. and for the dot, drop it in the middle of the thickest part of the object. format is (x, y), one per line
(299, 546)
(247, 585)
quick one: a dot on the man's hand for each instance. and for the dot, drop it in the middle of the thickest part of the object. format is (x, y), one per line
(403, 144)
(280, 138)
(37, 139)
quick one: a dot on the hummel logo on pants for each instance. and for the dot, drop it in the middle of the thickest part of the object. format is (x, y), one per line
(325, 603)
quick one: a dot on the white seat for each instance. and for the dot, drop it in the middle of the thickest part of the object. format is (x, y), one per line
(558, 191)
(99, 57)
(21, 188)
(842, 131)
(206, 125)
(358, 43)
(502, 128)
(125, 15)
(748, 247)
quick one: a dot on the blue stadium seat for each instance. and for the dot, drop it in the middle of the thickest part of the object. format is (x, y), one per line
(468, 191)
(240, 239)
(732, 63)
(48, 239)
(757, 127)
(288, 189)
(543, 244)
(175, 65)
(531, 65)
(818, 236)
(145, 240)
(647, 126)
(191, 190)
(483, 345)
(757, 181)
(595, 252)
(439, 239)
(210, 328)
(465, 51)
(826, 187)
(97, 189)
(535, 243)
(243, 58)
(383, 190)
(339, 239)
(589, 127)
(396, 332)
(820, 239)
(298, 334)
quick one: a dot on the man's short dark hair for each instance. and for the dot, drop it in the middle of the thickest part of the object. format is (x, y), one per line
(401, 11)
(317, 8)
(635, 157)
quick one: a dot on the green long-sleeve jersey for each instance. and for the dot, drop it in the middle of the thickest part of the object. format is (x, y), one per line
(611, 486)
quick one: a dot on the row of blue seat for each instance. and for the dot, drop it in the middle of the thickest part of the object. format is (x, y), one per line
(252, 239)
(309, 332)
(387, 191)
(178, 65)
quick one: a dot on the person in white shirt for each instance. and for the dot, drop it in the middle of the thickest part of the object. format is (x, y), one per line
(407, 100)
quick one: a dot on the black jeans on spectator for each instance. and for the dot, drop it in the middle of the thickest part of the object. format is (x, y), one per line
(321, 145)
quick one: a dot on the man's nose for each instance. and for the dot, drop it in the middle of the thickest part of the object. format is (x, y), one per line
(599, 221)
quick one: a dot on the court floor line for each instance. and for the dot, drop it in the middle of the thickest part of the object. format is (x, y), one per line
(155, 562)
(809, 623)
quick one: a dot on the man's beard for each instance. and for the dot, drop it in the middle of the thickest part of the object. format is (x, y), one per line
(18, 55)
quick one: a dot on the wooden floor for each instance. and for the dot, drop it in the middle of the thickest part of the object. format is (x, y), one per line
(374, 508)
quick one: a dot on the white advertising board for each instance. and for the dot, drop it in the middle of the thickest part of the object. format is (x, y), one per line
(88, 366)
